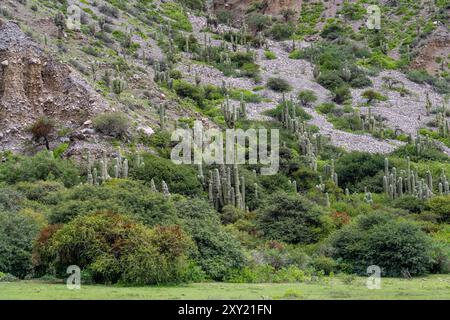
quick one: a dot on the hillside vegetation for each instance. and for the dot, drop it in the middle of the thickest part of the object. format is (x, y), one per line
(86, 118)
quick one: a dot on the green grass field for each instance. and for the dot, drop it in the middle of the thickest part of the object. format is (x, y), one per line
(432, 287)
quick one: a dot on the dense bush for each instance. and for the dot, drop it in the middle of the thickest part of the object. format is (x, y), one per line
(278, 84)
(17, 232)
(396, 246)
(306, 97)
(42, 166)
(114, 124)
(440, 206)
(112, 248)
(132, 198)
(356, 166)
(282, 31)
(291, 218)
(180, 178)
(218, 251)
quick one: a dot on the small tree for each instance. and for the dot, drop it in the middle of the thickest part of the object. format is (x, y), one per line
(42, 129)
(306, 97)
(372, 95)
(287, 14)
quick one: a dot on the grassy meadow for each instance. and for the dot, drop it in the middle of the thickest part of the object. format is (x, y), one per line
(431, 287)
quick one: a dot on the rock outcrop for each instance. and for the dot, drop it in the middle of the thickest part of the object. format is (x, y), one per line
(33, 84)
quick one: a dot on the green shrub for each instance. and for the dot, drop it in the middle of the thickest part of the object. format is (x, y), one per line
(330, 80)
(291, 218)
(38, 190)
(17, 232)
(224, 16)
(115, 249)
(132, 198)
(179, 18)
(410, 203)
(278, 111)
(342, 94)
(270, 55)
(325, 264)
(326, 108)
(42, 166)
(332, 31)
(278, 84)
(379, 239)
(356, 166)
(7, 277)
(440, 206)
(187, 90)
(257, 22)
(115, 124)
(372, 95)
(306, 97)
(218, 251)
(282, 31)
(180, 179)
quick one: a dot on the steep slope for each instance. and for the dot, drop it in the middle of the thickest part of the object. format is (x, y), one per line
(33, 84)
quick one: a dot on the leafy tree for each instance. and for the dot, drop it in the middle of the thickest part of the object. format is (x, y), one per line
(42, 129)
(17, 232)
(397, 246)
(218, 251)
(356, 166)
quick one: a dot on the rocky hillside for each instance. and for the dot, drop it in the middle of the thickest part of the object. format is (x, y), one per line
(139, 57)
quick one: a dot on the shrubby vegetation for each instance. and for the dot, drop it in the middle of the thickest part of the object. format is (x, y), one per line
(149, 221)
(398, 247)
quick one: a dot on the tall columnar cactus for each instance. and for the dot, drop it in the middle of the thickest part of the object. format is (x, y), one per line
(162, 115)
(428, 104)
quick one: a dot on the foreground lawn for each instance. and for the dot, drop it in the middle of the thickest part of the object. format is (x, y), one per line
(432, 287)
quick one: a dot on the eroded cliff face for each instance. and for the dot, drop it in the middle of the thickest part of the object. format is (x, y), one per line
(33, 84)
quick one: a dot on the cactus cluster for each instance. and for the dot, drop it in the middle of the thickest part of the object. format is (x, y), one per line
(164, 187)
(396, 184)
(162, 77)
(120, 169)
(232, 112)
(329, 171)
(372, 123)
(118, 86)
(443, 123)
(227, 187)
(422, 144)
